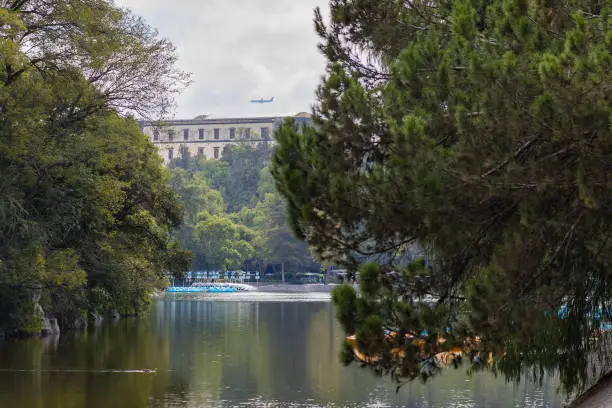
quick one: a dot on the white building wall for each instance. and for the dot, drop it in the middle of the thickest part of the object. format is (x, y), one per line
(202, 137)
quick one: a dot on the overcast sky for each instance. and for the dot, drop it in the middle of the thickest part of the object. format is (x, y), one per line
(238, 50)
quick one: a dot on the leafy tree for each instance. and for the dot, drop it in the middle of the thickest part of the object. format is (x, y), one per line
(85, 209)
(131, 68)
(224, 244)
(266, 182)
(244, 164)
(278, 245)
(480, 131)
(236, 175)
(197, 200)
(243, 177)
(183, 157)
(215, 172)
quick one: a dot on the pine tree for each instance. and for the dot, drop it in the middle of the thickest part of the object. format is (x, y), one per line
(480, 131)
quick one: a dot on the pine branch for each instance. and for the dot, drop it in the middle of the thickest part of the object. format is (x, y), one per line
(517, 153)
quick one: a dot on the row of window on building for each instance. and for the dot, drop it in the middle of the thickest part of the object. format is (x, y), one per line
(200, 153)
(246, 132)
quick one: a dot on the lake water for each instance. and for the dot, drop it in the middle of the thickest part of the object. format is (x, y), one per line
(250, 350)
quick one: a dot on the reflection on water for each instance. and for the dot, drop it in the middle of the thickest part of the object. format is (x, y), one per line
(253, 297)
(207, 353)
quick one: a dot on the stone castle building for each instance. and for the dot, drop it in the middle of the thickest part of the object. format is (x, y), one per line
(207, 137)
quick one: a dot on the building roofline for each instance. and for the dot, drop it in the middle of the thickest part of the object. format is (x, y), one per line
(213, 121)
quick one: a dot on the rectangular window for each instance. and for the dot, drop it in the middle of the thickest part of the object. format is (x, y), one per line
(216, 152)
(247, 133)
(185, 134)
(216, 133)
(265, 133)
(156, 134)
(200, 151)
(170, 134)
(170, 154)
(201, 134)
(232, 133)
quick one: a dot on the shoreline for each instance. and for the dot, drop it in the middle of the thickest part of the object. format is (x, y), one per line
(295, 288)
(597, 396)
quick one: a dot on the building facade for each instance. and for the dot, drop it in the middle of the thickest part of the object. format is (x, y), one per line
(207, 138)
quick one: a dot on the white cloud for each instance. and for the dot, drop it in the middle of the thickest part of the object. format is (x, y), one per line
(238, 50)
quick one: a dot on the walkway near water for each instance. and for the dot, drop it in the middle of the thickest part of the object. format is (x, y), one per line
(296, 288)
(598, 396)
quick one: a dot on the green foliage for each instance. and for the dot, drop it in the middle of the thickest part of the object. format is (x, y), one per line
(233, 216)
(123, 58)
(475, 134)
(244, 165)
(219, 239)
(236, 176)
(345, 297)
(85, 209)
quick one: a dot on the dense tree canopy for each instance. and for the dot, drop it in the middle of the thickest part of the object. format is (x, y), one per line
(131, 68)
(85, 207)
(479, 130)
(233, 216)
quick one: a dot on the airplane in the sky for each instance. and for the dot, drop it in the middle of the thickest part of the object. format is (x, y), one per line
(262, 100)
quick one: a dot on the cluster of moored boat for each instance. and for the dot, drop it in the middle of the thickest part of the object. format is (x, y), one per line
(442, 358)
(210, 287)
(195, 289)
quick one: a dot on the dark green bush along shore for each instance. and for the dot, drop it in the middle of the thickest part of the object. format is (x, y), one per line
(86, 211)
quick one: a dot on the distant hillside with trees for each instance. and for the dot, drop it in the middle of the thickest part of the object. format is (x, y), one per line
(234, 218)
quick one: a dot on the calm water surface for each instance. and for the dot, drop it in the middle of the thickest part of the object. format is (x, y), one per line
(256, 350)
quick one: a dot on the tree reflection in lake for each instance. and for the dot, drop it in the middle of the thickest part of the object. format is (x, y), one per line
(103, 367)
(223, 354)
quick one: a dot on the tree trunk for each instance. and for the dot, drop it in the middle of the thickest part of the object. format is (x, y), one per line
(283, 272)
